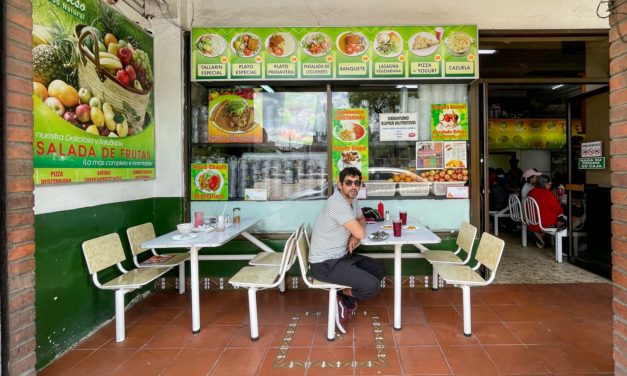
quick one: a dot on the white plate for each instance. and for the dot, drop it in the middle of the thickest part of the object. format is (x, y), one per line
(211, 173)
(387, 227)
(309, 38)
(423, 51)
(289, 47)
(376, 44)
(362, 37)
(411, 227)
(240, 53)
(218, 43)
(181, 237)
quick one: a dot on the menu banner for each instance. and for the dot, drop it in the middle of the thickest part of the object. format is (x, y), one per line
(93, 115)
(350, 140)
(528, 133)
(429, 155)
(210, 181)
(379, 52)
(449, 121)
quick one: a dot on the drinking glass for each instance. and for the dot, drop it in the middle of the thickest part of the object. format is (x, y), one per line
(198, 218)
(236, 215)
(221, 224)
(397, 225)
(403, 216)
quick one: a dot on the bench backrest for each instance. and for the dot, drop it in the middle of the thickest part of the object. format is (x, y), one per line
(515, 209)
(288, 254)
(532, 212)
(466, 237)
(302, 252)
(103, 252)
(138, 235)
(490, 251)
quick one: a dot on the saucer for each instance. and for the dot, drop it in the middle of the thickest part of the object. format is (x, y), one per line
(181, 237)
(387, 227)
(411, 227)
(204, 229)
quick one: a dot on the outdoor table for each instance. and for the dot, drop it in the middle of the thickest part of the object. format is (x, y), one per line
(421, 235)
(206, 240)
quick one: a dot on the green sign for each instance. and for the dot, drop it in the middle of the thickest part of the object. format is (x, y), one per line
(210, 181)
(373, 52)
(594, 163)
(449, 121)
(92, 95)
(350, 140)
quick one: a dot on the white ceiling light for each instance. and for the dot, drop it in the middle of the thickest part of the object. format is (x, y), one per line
(557, 86)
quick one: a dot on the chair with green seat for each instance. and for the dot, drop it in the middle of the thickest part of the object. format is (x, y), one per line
(106, 251)
(262, 277)
(145, 232)
(488, 256)
(465, 241)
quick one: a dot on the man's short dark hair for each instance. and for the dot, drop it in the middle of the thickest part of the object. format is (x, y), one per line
(349, 171)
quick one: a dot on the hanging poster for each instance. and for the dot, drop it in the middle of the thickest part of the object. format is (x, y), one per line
(449, 121)
(350, 140)
(92, 95)
(455, 155)
(323, 53)
(297, 118)
(429, 155)
(398, 127)
(528, 133)
(235, 117)
(210, 181)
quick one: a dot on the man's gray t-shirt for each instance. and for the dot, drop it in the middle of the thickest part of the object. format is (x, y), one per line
(329, 239)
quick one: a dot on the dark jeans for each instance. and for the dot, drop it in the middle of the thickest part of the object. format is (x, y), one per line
(363, 274)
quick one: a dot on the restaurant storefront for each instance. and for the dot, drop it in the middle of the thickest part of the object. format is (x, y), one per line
(307, 129)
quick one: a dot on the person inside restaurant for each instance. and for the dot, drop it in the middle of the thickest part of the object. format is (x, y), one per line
(337, 231)
(529, 177)
(550, 208)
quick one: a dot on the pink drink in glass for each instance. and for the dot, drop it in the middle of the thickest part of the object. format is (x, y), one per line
(403, 216)
(198, 218)
(397, 225)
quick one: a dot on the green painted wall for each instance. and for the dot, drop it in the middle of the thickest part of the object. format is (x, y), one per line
(67, 303)
(69, 306)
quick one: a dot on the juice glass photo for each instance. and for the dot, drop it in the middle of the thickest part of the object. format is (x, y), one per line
(397, 225)
(403, 216)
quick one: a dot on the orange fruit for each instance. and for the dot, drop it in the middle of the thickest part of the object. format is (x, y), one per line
(40, 90)
(68, 96)
(54, 89)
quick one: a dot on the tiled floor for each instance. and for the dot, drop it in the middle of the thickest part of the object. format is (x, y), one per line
(518, 329)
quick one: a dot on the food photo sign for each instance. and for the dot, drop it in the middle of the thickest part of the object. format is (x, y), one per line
(92, 95)
(210, 181)
(350, 140)
(235, 117)
(379, 52)
(449, 121)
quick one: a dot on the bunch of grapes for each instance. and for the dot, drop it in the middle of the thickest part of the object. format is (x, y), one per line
(141, 63)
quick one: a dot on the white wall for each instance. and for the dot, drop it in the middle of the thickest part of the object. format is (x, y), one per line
(487, 14)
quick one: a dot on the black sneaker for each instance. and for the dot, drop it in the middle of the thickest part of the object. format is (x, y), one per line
(341, 317)
(352, 305)
(538, 240)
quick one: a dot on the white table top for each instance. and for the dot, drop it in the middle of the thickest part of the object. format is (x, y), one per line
(421, 235)
(203, 239)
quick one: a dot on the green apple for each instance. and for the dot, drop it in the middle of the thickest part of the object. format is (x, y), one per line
(84, 95)
(95, 102)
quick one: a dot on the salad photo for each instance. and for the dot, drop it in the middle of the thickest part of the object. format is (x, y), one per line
(388, 43)
(246, 44)
(210, 45)
(316, 44)
(209, 181)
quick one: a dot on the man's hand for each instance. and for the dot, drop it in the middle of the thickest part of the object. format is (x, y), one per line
(353, 243)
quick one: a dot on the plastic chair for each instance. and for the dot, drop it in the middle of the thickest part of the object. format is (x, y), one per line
(105, 251)
(144, 232)
(504, 213)
(256, 278)
(488, 255)
(302, 252)
(465, 241)
(516, 214)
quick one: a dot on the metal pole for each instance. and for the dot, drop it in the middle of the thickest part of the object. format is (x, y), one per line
(569, 158)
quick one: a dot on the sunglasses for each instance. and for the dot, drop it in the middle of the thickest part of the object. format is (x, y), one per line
(348, 183)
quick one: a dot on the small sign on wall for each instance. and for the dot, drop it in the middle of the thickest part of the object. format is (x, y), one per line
(591, 149)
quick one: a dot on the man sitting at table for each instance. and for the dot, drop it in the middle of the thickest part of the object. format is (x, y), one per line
(338, 230)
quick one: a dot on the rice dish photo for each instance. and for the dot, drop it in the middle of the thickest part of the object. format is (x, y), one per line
(458, 43)
(352, 43)
(209, 181)
(388, 43)
(350, 132)
(246, 45)
(210, 45)
(316, 44)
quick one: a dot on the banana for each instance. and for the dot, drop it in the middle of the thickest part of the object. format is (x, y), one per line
(41, 35)
(108, 55)
(109, 116)
(110, 64)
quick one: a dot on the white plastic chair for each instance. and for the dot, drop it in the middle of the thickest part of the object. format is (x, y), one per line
(488, 255)
(256, 278)
(144, 232)
(105, 251)
(302, 252)
(516, 214)
(504, 213)
(465, 241)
